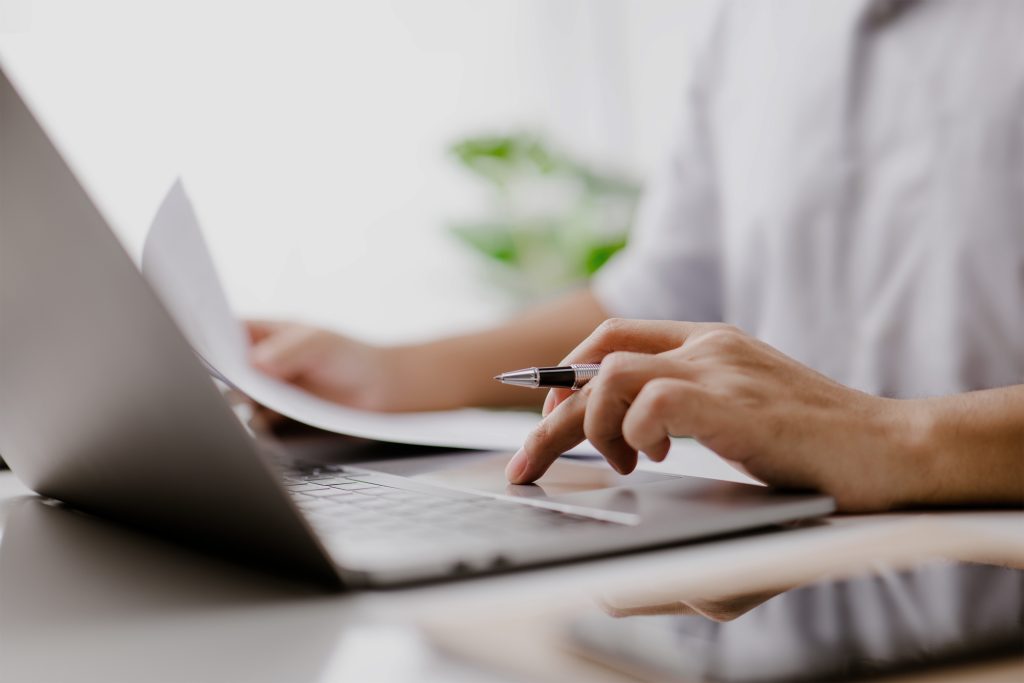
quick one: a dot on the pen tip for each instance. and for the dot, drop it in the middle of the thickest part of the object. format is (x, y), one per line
(497, 377)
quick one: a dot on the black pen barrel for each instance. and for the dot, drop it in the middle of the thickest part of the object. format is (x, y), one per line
(557, 377)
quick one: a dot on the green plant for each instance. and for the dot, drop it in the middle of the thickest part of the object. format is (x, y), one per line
(551, 221)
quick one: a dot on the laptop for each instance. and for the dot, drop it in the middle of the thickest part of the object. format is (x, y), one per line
(105, 407)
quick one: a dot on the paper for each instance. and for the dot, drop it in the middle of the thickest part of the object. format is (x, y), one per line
(178, 265)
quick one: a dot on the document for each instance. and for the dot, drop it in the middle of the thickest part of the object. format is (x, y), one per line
(177, 263)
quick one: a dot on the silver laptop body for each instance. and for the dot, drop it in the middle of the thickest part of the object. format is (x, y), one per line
(104, 406)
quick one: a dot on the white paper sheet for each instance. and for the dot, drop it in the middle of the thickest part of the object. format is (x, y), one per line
(177, 263)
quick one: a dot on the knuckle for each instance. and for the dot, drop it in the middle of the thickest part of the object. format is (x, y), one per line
(733, 332)
(640, 432)
(662, 395)
(615, 364)
(634, 436)
(727, 338)
(610, 328)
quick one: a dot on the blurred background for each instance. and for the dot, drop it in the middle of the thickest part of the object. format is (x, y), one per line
(394, 170)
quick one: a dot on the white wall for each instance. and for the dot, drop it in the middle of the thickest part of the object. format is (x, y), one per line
(311, 135)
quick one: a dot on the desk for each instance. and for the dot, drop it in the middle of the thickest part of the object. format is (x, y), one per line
(84, 600)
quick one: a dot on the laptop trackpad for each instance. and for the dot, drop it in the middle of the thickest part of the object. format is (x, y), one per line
(486, 474)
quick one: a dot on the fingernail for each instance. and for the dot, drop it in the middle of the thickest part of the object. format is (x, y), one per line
(516, 466)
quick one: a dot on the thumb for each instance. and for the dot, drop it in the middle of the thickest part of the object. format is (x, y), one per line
(288, 353)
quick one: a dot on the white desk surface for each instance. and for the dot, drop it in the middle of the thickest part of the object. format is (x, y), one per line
(84, 600)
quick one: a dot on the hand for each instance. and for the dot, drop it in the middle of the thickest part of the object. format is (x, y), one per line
(781, 421)
(329, 365)
(720, 609)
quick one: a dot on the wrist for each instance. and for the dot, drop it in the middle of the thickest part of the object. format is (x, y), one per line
(422, 377)
(917, 454)
(456, 372)
(969, 448)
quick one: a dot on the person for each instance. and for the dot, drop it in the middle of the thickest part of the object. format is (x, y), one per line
(845, 186)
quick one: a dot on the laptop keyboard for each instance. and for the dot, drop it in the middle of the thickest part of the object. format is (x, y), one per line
(354, 507)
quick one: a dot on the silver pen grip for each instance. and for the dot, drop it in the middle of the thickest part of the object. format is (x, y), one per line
(584, 372)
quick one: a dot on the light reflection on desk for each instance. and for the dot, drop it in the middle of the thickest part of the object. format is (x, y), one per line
(84, 600)
(834, 629)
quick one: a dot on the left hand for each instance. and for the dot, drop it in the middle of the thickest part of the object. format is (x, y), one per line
(781, 421)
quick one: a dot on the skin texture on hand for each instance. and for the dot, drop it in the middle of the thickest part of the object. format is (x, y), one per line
(781, 421)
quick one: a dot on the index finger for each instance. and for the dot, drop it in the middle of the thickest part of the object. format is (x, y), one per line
(622, 334)
(556, 433)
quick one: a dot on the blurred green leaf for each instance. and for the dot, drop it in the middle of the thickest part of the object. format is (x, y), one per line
(493, 240)
(600, 253)
(497, 158)
(555, 221)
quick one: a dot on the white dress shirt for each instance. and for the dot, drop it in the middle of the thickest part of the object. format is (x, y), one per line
(847, 184)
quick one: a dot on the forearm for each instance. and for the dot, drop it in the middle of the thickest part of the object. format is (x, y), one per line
(458, 371)
(970, 448)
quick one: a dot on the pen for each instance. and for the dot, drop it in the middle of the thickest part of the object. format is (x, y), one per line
(563, 377)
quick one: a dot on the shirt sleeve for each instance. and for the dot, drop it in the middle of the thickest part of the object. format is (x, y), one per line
(670, 269)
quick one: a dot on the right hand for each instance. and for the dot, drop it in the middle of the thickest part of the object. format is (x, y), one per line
(329, 365)
(720, 609)
(778, 419)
